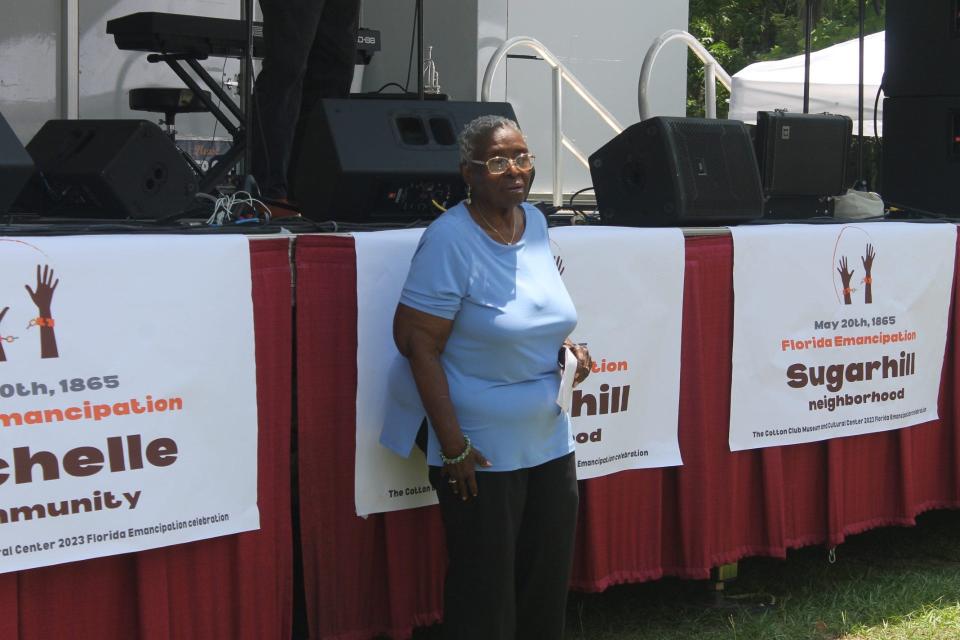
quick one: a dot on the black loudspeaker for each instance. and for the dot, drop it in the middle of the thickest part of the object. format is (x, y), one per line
(921, 113)
(678, 171)
(112, 169)
(921, 153)
(922, 48)
(369, 160)
(16, 167)
(803, 154)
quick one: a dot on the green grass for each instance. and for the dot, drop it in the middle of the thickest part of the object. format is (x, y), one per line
(895, 583)
(890, 584)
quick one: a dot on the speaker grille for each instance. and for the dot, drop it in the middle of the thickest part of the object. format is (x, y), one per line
(717, 170)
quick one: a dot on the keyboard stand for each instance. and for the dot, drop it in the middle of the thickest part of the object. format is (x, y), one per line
(211, 179)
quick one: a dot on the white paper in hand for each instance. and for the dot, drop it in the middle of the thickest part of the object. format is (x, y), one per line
(565, 394)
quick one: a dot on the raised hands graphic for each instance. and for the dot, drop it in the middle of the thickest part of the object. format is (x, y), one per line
(845, 276)
(42, 296)
(867, 261)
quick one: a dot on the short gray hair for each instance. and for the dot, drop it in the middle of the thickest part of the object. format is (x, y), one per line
(477, 130)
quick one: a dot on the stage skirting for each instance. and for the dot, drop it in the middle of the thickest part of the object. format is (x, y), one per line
(384, 574)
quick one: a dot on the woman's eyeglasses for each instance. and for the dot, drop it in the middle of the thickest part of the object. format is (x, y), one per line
(498, 164)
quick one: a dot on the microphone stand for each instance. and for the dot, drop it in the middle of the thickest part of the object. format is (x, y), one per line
(247, 87)
(808, 44)
(419, 10)
(861, 182)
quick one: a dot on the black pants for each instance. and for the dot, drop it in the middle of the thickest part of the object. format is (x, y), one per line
(510, 552)
(309, 53)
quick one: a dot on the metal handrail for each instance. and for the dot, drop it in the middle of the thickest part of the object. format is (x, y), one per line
(712, 71)
(560, 74)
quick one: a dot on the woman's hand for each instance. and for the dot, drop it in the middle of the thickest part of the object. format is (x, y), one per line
(584, 361)
(462, 476)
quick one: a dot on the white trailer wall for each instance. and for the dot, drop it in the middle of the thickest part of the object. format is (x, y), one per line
(32, 41)
(30, 53)
(602, 42)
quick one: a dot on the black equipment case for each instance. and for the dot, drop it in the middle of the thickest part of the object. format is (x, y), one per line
(803, 154)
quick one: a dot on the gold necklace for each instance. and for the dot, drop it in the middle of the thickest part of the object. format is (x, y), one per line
(513, 234)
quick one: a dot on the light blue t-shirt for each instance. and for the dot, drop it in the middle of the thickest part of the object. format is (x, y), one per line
(511, 313)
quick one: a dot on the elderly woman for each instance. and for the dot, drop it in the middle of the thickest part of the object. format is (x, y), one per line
(481, 319)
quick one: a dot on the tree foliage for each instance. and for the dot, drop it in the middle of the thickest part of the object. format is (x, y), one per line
(741, 32)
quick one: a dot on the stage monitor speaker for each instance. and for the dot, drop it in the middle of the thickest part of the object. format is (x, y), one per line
(112, 169)
(669, 171)
(922, 44)
(384, 160)
(921, 153)
(803, 154)
(16, 167)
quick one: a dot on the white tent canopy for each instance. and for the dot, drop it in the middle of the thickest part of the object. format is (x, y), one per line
(834, 83)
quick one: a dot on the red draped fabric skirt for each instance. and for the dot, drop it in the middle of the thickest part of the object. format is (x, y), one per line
(384, 574)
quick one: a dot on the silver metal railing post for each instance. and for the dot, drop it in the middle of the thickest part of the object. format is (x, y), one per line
(713, 68)
(557, 136)
(560, 75)
(710, 90)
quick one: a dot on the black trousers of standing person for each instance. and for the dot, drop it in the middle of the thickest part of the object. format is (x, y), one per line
(510, 552)
(309, 53)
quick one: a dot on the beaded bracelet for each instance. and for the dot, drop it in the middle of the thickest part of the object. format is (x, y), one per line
(41, 322)
(460, 458)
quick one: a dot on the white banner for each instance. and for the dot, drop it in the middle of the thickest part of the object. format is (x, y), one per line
(627, 285)
(128, 411)
(838, 330)
(383, 480)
